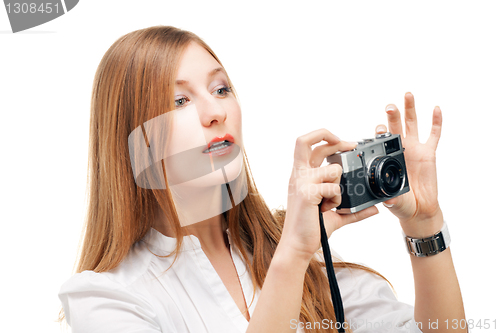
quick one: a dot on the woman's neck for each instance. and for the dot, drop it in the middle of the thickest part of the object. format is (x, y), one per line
(196, 204)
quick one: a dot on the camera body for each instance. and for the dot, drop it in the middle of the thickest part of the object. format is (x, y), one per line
(373, 172)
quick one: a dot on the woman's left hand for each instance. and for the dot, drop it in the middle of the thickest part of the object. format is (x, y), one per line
(418, 210)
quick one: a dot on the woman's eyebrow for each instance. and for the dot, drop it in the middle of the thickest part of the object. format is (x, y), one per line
(215, 71)
(209, 75)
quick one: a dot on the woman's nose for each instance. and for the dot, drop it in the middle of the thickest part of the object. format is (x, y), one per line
(210, 110)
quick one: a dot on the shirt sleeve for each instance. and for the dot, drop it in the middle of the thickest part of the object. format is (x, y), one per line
(94, 303)
(370, 304)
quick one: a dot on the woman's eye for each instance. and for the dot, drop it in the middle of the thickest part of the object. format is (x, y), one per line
(223, 91)
(180, 101)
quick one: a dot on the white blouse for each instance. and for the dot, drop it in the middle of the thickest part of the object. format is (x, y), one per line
(141, 295)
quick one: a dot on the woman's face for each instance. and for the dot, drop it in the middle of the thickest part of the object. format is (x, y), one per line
(206, 111)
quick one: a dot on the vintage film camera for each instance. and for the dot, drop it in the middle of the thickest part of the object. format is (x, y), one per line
(373, 172)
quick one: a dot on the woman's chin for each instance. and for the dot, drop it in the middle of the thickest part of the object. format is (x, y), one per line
(231, 171)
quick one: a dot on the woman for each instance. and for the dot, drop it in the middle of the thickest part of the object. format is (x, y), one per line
(205, 254)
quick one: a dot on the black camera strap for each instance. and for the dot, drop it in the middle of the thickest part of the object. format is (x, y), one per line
(334, 287)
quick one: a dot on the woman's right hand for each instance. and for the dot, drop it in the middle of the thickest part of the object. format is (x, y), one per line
(310, 184)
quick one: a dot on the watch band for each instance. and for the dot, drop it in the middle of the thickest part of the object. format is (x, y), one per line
(429, 246)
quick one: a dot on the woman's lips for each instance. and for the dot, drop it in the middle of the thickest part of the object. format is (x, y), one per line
(219, 148)
(227, 137)
(220, 145)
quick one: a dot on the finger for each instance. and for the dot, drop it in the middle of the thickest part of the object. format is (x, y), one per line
(390, 203)
(394, 119)
(332, 196)
(410, 116)
(319, 153)
(356, 217)
(303, 145)
(398, 206)
(380, 129)
(437, 122)
(330, 173)
(327, 192)
(329, 204)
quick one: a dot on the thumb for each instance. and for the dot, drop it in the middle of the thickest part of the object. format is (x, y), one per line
(390, 203)
(397, 206)
(334, 221)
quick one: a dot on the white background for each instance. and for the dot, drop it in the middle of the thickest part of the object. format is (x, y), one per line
(297, 67)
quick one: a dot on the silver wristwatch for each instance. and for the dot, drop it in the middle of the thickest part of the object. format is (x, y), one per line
(424, 247)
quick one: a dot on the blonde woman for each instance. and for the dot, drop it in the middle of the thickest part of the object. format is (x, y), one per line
(177, 237)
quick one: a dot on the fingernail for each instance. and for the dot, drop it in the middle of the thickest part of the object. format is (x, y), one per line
(380, 128)
(387, 205)
(389, 108)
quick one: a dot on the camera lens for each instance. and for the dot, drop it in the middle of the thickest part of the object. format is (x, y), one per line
(386, 176)
(390, 178)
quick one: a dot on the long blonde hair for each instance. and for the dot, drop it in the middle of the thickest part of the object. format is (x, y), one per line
(134, 83)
